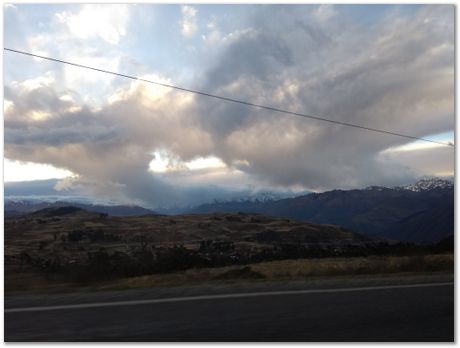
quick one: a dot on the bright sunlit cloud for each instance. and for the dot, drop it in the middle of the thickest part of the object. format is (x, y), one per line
(26, 171)
(205, 162)
(160, 163)
(164, 162)
(106, 22)
(447, 138)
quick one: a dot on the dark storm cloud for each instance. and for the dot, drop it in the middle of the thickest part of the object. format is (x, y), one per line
(397, 76)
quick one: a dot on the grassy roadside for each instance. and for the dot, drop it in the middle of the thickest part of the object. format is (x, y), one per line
(299, 269)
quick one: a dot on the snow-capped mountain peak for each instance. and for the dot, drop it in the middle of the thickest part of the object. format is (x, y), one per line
(429, 184)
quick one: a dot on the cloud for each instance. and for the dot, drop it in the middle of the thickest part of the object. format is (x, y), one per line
(109, 148)
(433, 160)
(39, 44)
(215, 36)
(107, 22)
(87, 34)
(397, 75)
(14, 171)
(324, 13)
(10, 7)
(189, 24)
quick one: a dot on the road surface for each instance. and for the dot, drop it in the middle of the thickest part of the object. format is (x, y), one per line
(334, 311)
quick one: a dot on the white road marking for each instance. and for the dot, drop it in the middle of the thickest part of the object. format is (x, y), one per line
(217, 297)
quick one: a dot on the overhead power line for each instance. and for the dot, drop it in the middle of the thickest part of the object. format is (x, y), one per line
(232, 99)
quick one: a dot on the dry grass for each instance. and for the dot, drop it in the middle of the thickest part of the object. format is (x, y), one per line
(274, 270)
(357, 265)
(297, 269)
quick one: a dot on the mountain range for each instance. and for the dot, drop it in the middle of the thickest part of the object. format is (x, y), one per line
(422, 212)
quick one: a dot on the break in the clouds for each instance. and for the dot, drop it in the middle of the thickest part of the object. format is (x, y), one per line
(394, 72)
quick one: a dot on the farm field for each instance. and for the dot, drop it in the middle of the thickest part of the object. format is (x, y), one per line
(62, 248)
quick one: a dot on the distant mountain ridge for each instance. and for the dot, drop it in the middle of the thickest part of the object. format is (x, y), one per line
(13, 208)
(422, 212)
(45, 191)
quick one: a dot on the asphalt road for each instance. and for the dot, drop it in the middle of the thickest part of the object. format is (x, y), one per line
(329, 312)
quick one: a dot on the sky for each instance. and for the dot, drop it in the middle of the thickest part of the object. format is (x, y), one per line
(389, 67)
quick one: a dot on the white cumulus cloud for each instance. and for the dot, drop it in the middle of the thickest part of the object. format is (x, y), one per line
(102, 21)
(189, 24)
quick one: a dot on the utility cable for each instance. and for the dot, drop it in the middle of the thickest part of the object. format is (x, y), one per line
(233, 100)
